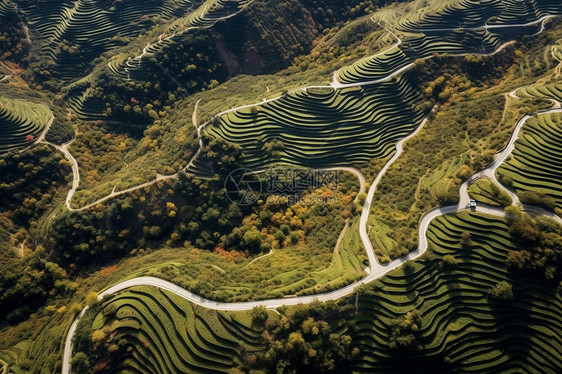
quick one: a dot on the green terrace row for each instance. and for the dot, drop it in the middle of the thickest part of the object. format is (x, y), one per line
(476, 13)
(536, 162)
(87, 108)
(42, 353)
(424, 46)
(321, 127)
(18, 119)
(6, 8)
(462, 329)
(164, 333)
(90, 28)
(551, 91)
(204, 16)
(445, 31)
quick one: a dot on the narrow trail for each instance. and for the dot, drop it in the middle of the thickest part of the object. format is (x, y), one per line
(194, 114)
(340, 237)
(259, 258)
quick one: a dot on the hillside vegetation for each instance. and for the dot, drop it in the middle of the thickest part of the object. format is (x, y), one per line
(152, 108)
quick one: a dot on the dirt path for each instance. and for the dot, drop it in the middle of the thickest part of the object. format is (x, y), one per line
(194, 114)
(340, 237)
(259, 258)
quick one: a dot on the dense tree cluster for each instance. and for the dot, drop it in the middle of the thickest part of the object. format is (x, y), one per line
(12, 39)
(25, 285)
(303, 340)
(541, 245)
(404, 330)
(30, 181)
(188, 66)
(61, 130)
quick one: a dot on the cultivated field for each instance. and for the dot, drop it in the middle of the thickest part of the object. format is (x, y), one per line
(18, 119)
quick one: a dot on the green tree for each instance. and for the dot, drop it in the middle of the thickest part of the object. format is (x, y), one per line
(80, 363)
(502, 291)
(259, 315)
(450, 260)
(252, 239)
(466, 239)
(91, 298)
(404, 330)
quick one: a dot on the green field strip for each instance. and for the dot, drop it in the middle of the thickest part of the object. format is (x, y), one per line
(453, 28)
(551, 91)
(93, 27)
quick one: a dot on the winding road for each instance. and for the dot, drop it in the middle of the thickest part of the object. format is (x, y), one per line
(335, 84)
(377, 269)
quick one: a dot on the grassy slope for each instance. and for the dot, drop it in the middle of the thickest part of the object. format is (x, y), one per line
(488, 193)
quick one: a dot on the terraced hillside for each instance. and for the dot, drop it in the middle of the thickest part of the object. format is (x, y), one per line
(206, 15)
(551, 91)
(536, 162)
(159, 332)
(487, 192)
(19, 119)
(321, 127)
(468, 14)
(74, 32)
(462, 328)
(464, 26)
(424, 46)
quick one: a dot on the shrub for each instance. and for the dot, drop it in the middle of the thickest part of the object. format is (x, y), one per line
(538, 199)
(259, 315)
(91, 298)
(450, 260)
(465, 240)
(361, 197)
(409, 266)
(502, 291)
(404, 330)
